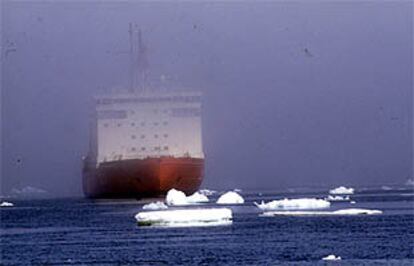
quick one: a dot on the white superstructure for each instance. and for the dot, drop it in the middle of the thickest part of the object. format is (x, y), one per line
(148, 124)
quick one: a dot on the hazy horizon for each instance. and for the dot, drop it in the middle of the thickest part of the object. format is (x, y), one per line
(294, 93)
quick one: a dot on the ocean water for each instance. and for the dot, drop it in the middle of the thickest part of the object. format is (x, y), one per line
(104, 232)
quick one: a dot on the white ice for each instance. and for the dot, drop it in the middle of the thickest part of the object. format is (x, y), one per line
(326, 213)
(189, 217)
(342, 190)
(337, 198)
(331, 257)
(159, 205)
(177, 198)
(196, 198)
(294, 204)
(230, 197)
(6, 204)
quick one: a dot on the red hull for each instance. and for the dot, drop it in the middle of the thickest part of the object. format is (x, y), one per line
(138, 178)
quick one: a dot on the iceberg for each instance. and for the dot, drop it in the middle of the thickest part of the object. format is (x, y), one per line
(159, 205)
(189, 217)
(6, 204)
(322, 213)
(331, 257)
(176, 197)
(294, 204)
(342, 190)
(230, 197)
(337, 198)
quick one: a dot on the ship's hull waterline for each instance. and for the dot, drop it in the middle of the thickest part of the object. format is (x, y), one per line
(140, 178)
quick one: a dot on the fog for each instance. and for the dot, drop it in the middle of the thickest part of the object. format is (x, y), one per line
(295, 94)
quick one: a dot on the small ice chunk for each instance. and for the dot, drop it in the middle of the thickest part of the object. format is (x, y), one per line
(324, 213)
(207, 192)
(189, 217)
(230, 197)
(386, 188)
(176, 197)
(6, 204)
(337, 198)
(238, 190)
(352, 202)
(197, 198)
(331, 257)
(294, 204)
(159, 205)
(341, 190)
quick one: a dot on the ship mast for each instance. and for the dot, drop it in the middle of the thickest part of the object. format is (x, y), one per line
(138, 59)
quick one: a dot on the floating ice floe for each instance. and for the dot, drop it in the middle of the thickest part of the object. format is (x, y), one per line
(326, 213)
(159, 205)
(331, 257)
(207, 192)
(294, 204)
(386, 188)
(230, 197)
(337, 198)
(342, 190)
(189, 217)
(176, 197)
(6, 204)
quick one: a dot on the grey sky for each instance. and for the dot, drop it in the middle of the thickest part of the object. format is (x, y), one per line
(304, 93)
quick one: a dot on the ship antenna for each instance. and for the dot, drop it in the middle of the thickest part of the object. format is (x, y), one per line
(139, 62)
(131, 57)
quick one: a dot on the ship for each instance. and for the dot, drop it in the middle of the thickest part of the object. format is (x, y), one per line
(144, 141)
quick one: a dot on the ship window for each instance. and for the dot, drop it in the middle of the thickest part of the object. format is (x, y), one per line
(165, 135)
(156, 136)
(119, 124)
(165, 111)
(142, 123)
(156, 123)
(133, 149)
(133, 137)
(157, 148)
(142, 148)
(106, 125)
(165, 123)
(166, 148)
(132, 112)
(132, 124)
(142, 136)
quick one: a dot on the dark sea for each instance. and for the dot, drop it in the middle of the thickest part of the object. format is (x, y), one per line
(77, 231)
